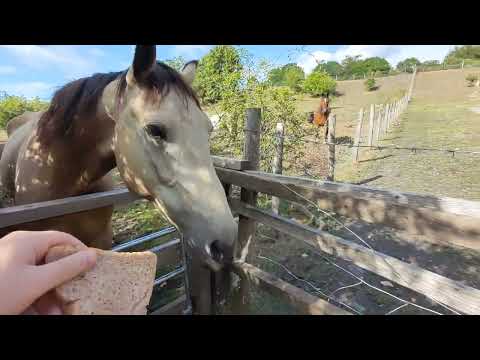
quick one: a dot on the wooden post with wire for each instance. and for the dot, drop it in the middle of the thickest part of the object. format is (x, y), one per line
(378, 123)
(251, 153)
(372, 120)
(278, 162)
(331, 147)
(384, 120)
(396, 112)
(246, 226)
(358, 135)
(410, 90)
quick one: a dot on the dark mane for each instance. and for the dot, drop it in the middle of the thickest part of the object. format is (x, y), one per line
(79, 99)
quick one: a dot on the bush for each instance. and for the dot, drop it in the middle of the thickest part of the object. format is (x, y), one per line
(11, 106)
(471, 79)
(290, 75)
(218, 71)
(319, 83)
(408, 65)
(370, 84)
(277, 104)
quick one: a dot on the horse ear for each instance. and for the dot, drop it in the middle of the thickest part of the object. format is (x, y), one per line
(188, 71)
(144, 62)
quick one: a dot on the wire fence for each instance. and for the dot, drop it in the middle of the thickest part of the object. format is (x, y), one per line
(392, 147)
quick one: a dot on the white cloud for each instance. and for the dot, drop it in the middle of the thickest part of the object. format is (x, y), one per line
(190, 51)
(64, 58)
(29, 89)
(392, 53)
(308, 61)
(7, 70)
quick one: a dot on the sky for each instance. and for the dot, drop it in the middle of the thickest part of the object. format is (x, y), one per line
(38, 70)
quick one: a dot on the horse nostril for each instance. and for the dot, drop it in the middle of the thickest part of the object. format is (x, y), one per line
(216, 251)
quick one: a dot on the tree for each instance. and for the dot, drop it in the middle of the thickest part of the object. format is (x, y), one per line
(350, 65)
(375, 64)
(218, 71)
(11, 106)
(275, 76)
(459, 53)
(277, 104)
(431, 63)
(293, 76)
(408, 64)
(176, 63)
(354, 65)
(319, 83)
(290, 75)
(332, 68)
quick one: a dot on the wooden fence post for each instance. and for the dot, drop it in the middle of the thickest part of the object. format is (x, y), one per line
(278, 162)
(358, 135)
(387, 117)
(397, 108)
(385, 120)
(410, 90)
(378, 123)
(331, 147)
(251, 152)
(370, 130)
(246, 226)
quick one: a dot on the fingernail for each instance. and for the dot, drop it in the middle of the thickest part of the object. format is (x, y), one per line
(55, 310)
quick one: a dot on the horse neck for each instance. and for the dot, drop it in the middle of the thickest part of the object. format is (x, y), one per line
(81, 159)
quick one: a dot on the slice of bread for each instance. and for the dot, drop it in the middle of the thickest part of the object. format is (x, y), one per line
(119, 283)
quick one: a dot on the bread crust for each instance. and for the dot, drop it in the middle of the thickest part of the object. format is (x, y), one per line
(119, 284)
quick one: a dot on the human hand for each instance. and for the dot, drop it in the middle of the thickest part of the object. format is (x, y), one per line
(26, 282)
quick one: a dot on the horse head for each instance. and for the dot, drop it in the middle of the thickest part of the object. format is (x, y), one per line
(161, 146)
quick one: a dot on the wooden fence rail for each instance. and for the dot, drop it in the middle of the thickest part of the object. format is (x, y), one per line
(434, 286)
(373, 205)
(446, 220)
(300, 299)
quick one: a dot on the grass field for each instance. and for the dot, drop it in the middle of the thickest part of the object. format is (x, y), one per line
(443, 115)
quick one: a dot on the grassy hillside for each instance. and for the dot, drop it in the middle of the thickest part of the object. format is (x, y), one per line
(444, 113)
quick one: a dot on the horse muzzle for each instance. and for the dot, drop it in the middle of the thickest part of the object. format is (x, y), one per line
(215, 255)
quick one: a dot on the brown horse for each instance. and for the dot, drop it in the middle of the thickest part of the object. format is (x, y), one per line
(147, 122)
(18, 121)
(320, 117)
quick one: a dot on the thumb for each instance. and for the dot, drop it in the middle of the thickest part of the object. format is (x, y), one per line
(52, 275)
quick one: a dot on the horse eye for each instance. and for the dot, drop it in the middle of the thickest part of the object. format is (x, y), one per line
(156, 131)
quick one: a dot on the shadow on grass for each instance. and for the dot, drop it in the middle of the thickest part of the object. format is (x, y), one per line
(366, 181)
(377, 158)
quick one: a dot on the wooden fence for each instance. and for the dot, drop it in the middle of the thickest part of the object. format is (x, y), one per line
(447, 220)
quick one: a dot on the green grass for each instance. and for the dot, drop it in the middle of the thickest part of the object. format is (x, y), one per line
(137, 219)
(439, 116)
